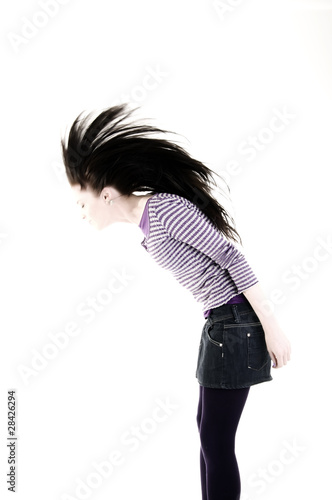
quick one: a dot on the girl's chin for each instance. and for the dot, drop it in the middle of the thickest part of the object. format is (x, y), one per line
(99, 226)
(92, 224)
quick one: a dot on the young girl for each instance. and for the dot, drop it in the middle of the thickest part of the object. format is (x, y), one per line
(188, 232)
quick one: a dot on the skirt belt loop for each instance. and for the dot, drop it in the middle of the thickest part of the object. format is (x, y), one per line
(236, 314)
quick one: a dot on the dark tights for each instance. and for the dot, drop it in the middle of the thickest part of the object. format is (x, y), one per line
(219, 412)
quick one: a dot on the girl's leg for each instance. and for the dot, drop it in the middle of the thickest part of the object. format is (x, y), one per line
(202, 459)
(218, 415)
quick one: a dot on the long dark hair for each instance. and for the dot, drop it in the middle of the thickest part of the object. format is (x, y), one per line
(104, 152)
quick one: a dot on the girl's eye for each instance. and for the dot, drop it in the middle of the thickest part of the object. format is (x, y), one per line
(82, 206)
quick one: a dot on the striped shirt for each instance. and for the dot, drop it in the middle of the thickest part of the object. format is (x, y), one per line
(183, 240)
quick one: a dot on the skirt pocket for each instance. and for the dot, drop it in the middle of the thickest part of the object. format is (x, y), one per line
(233, 355)
(258, 355)
(210, 356)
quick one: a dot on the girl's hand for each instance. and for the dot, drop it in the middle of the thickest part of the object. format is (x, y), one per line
(278, 346)
(277, 343)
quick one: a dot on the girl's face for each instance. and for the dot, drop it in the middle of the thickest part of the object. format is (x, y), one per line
(94, 208)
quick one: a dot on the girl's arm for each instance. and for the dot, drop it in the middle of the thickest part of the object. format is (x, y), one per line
(277, 343)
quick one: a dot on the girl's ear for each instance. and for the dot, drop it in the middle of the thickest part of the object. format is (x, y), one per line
(106, 193)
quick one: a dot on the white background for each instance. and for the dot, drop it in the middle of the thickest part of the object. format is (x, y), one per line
(222, 70)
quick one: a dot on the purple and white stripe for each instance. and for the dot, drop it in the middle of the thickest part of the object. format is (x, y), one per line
(182, 239)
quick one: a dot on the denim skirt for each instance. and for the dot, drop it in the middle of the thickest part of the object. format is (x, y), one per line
(232, 351)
